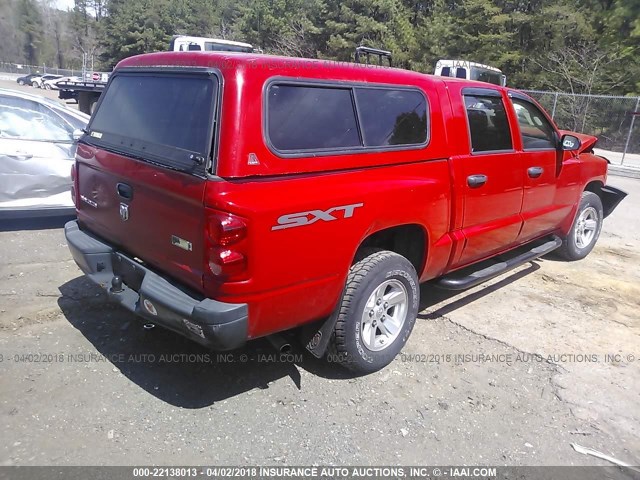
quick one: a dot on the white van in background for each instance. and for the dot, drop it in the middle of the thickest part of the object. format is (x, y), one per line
(470, 71)
(185, 43)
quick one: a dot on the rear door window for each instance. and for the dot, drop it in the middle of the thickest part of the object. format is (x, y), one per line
(488, 124)
(163, 118)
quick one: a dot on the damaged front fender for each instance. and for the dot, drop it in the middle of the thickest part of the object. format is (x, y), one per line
(611, 197)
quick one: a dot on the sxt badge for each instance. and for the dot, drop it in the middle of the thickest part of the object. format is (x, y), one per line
(312, 216)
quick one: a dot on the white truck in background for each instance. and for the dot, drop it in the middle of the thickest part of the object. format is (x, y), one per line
(186, 43)
(87, 91)
(470, 71)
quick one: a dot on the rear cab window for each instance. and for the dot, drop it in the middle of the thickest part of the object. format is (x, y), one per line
(162, 117)
(302, 119)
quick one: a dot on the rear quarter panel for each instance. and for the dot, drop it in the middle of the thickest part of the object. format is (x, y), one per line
(297, 273)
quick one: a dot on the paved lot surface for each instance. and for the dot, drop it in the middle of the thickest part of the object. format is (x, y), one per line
(630, 160)
(83, 383)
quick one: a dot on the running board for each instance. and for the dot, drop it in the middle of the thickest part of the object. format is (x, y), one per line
(456, 282)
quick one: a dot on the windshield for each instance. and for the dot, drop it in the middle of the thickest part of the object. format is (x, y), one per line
(484, 75)
(163, 118)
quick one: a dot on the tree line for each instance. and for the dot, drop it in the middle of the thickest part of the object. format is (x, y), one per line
(581, 46)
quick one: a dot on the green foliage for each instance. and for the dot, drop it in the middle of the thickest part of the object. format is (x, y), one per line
(373, 23)
(590, 46)
(286, 27)
(135, 27)
(30, 25)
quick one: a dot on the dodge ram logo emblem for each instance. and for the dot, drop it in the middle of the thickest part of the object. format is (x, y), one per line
(124, 212)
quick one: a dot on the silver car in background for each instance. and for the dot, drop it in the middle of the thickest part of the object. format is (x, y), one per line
(38, 82)
(38, 139)
(53, 83)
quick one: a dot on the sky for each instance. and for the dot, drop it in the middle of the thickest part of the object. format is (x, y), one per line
(64, 4)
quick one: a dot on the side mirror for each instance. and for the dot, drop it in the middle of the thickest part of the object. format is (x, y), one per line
(570, 143)
(77, 134)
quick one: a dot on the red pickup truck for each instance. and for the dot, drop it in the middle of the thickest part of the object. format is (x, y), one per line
(234, 196)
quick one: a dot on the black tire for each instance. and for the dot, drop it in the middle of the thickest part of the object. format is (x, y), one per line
(92, 104)
(87, 102)
(381, 271)
(574, 246)
(34, 84)
(21, 82)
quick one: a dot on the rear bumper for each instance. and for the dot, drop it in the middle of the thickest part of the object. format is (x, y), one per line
(217, 325)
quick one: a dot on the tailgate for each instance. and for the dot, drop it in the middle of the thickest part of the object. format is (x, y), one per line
(141, 168)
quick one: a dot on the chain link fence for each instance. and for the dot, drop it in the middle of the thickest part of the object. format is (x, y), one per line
(22, 69)
(614, 120)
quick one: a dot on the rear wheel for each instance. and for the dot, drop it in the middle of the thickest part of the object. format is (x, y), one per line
(47, 86)
(585, 229)
(34, 84)
(377, 312)
(87, 102)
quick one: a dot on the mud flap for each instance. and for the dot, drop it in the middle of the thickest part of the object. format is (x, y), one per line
(611, 197)
(317, 335)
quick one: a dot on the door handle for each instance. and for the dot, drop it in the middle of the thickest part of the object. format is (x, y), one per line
(475, 181)
(535, 172)
(125, 191)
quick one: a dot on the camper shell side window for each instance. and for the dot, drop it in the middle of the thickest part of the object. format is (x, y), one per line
(305, 118)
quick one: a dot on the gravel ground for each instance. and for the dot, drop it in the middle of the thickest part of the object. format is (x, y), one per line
(83, 383)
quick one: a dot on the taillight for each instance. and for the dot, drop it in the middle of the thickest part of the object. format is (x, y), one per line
(226, 229)
(227, 255)
(73, 184)
(227, 263)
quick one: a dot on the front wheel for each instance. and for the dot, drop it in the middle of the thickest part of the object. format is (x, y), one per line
(585, 229)
(20, 82)
(377, 313)
(47, 86)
